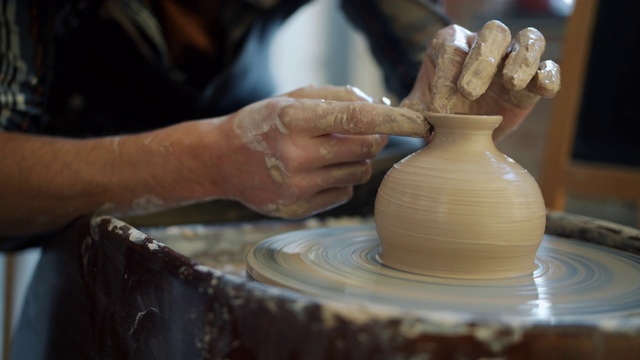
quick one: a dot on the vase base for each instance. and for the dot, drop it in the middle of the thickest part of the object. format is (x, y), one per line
(491, 272)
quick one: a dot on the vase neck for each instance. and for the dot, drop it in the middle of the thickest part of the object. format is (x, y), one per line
(475, 131)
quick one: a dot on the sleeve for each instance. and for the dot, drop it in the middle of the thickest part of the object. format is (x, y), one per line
(20, 94)
(398, 32)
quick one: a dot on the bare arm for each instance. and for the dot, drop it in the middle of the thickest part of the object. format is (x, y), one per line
(47, 181)
(289, 156)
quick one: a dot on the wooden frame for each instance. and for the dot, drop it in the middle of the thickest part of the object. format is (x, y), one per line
(561, 175)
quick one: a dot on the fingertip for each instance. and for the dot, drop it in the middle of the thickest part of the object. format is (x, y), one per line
(495, 26)
(530, 33)
(548, 80)
(404, 122)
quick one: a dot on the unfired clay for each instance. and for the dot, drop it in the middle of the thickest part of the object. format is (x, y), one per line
(459, 207)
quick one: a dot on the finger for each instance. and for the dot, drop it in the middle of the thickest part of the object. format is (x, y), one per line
(482, 63)
(333, 176)
(328, 92)
(447, 56)
(522, 64)
(321, 201)
(338, 148)
(546, 82)
(316, 117)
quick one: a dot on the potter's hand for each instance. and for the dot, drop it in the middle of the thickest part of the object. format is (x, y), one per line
(302, 152)
(485, 73)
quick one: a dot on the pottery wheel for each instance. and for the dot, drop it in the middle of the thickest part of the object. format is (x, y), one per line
(575, 281)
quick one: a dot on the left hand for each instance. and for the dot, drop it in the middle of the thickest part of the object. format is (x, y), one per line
(485, 73)
(302, 152)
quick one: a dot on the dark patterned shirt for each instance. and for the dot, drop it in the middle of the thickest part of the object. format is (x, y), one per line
(82, 68)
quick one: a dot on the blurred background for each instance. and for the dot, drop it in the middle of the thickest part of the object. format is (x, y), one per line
(318, 46)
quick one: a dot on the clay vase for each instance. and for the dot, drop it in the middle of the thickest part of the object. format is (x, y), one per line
(459, 207)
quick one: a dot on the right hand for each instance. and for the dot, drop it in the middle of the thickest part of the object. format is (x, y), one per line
(302, 152)
(486, 73)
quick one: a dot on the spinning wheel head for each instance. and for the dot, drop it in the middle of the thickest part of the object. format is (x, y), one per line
(574, 282)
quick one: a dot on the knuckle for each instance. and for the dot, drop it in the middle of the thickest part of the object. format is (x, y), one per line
(366, 172)
(283, 112)
(288, 115)
(453, 51)
(352, 117)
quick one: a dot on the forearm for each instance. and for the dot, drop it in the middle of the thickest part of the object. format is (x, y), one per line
(45, 182)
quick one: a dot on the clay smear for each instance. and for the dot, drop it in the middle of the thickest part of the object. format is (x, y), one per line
(482, 62)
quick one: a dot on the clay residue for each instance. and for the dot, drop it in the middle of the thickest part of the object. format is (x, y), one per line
(482, 62)
(547, 82)
(447, 57)
(277, 170)
(119, 227)
(141, 205)
(292, 211)
(146, 204)
(258, 119)
(328, 150)
(497, 337)
(376, 119)
(522, 63)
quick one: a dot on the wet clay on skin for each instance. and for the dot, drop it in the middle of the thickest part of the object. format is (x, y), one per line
(481, 64)
(261, 124)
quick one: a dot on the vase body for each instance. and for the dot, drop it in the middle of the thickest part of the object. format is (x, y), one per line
(459, 207)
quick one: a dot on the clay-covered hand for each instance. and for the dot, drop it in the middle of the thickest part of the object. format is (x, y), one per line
(302, 152)
(488, 72)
